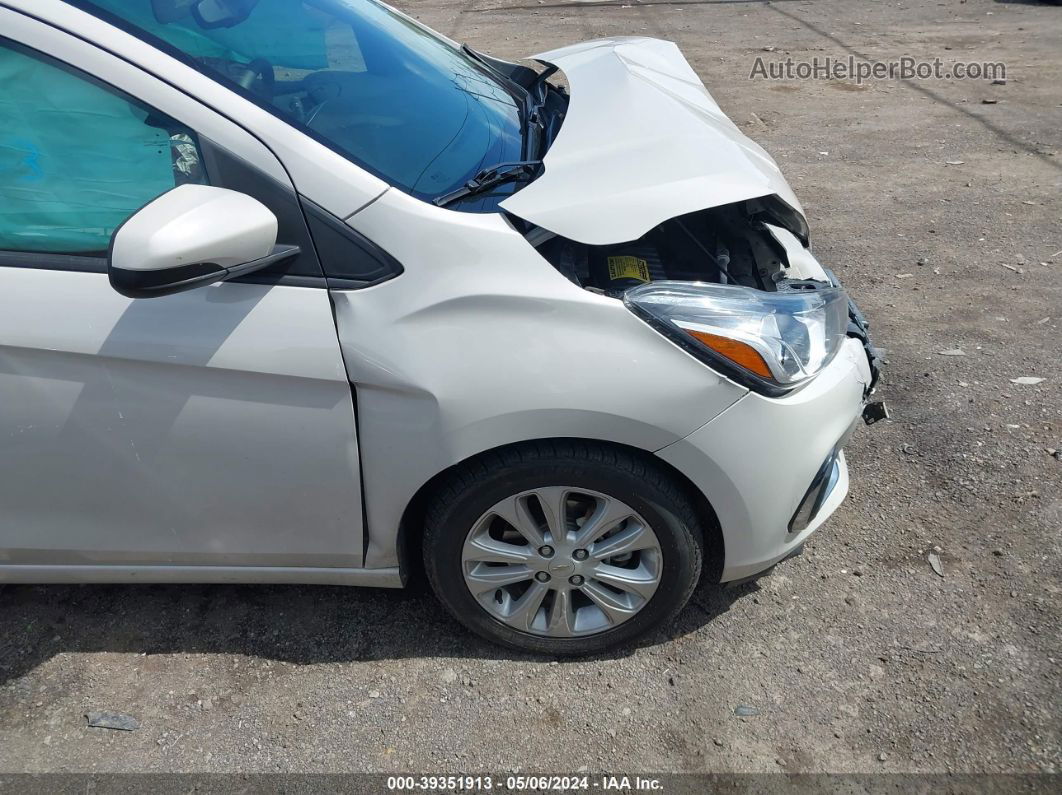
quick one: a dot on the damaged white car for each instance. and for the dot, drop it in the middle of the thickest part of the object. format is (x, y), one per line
(304, 292)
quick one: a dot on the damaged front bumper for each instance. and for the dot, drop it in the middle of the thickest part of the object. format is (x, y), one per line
(760, 461)
(859, 328)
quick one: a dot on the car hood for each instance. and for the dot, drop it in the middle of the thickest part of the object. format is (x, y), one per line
(643, 142)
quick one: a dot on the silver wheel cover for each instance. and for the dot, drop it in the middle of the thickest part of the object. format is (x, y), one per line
(562, 562)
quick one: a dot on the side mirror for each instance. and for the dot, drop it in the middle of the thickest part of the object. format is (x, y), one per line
(192, 236)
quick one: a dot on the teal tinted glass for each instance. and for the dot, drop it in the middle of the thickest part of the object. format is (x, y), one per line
(370, 83)
(77, 158)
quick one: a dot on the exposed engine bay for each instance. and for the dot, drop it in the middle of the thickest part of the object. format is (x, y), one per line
(758, 244)
(747, 244)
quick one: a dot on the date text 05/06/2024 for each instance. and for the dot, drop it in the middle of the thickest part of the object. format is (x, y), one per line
(515, 783)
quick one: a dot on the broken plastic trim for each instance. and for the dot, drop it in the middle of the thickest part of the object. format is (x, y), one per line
(875, 412)
(774, 207)
(859, 328)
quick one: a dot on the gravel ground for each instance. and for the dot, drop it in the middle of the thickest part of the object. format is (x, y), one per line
(942, 214)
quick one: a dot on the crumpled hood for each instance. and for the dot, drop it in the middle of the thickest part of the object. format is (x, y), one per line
(643, 142)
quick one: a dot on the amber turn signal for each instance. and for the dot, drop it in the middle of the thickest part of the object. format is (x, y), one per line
(737, 352)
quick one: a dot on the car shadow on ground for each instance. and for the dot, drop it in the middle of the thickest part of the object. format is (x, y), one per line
(302, 625)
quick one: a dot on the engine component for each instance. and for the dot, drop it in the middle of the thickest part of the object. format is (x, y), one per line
(724, 245)
(616, 269)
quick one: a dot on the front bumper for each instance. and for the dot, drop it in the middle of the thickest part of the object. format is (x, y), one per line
(758, 461)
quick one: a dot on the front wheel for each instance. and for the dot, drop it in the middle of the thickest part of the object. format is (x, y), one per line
(562, 548)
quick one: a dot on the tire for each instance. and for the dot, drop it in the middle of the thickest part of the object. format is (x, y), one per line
(585, 481)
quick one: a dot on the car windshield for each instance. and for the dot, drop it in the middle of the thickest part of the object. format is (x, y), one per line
(358, 76)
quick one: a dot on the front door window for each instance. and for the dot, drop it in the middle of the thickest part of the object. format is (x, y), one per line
(77, 158)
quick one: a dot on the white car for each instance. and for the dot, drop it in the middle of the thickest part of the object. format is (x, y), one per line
(304, 292)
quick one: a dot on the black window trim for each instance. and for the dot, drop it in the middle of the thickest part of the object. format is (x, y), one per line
(390, 266)
(79, 263)
(37, 260)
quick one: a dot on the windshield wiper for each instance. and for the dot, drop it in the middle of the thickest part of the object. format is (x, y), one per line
(514, 87)
(538, 91)
(534, 105)
(532, 93)
(519, 171)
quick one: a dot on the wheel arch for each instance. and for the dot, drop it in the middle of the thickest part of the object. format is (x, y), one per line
(411, 526)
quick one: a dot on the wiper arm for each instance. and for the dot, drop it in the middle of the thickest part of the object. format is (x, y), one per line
(539, 90)
(481, 59)
(519, 171)
(534, 103)
(532, 97)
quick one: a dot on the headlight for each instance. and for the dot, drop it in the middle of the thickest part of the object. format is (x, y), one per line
(771, 342)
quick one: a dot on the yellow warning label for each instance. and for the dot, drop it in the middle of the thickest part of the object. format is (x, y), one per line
(628, 268)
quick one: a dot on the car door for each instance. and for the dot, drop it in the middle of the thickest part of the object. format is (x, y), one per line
(214, 428)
